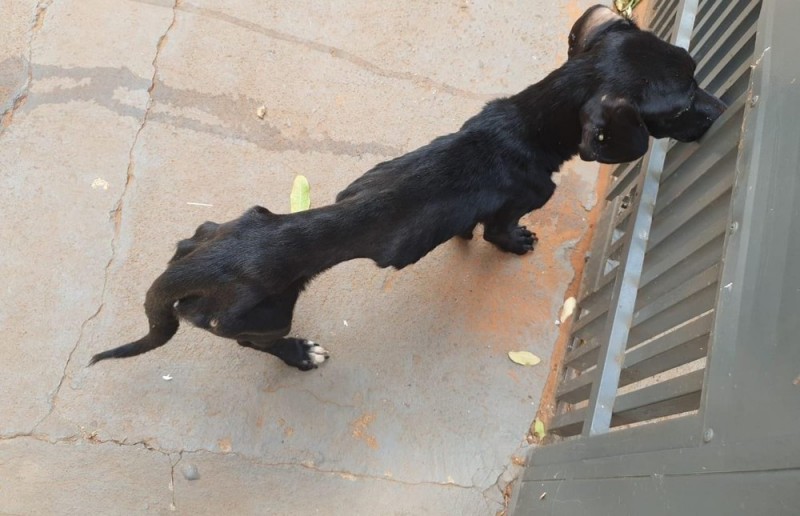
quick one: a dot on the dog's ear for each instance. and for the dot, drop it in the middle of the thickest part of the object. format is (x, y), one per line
(613, 131)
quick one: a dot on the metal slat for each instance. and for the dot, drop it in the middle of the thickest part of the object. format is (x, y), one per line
(704, 15)
(659, 21)
(741, 76)
(742, 52)
(694, 181)
(688, 300)
(676, 314)
(664, 257)
(667, 351)
(686, 262)
(665, 10)
(729, 121)
(674, 396)
(735, 33)
(677, 295)
(687, 268)
(630, 174)
(693, 203)
(700, 47)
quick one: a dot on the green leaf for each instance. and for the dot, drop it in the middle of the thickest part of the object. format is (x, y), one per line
(300, 199)
(538, 429)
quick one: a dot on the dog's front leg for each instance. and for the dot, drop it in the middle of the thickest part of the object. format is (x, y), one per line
(503, 228)
(504, 231)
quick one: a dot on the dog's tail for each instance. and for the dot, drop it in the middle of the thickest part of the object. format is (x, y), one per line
(158, 307)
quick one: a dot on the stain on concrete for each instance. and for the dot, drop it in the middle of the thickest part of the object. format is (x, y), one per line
(360, 429)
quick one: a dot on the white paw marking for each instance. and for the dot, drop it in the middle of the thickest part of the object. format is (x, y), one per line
(317, 354)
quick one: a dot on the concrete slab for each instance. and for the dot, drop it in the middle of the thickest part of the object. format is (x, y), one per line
(140, 123)
(82, 477)
(243, 486)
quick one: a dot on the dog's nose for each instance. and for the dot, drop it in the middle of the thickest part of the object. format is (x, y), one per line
(709, 105)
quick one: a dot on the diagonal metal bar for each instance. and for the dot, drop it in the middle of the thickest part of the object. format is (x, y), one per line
(623, 300)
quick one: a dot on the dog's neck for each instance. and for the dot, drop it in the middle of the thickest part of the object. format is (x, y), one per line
(557, 128)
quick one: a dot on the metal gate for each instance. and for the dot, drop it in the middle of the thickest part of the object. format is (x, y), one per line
(680, 389)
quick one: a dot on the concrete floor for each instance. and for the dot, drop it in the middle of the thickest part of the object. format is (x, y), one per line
(127, 123)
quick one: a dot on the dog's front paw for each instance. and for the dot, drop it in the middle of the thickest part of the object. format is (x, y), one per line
(518, 241)
(522, 240)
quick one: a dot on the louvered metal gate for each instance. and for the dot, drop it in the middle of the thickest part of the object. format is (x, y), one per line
(668, 295)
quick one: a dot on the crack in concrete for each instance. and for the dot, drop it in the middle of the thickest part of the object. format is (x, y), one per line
(147, 111)
(174, 463)
(335, 52)
(7, 117)
(148, 445)
(348, 475)
(311, 393)
(53, 397)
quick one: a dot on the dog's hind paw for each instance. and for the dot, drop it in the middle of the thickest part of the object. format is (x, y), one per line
(317, 354)
(305, 356)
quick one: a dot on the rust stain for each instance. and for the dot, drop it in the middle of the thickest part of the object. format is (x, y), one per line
(360, 427)
(260, 422)
(513, 376)
(573, 11)
(508, 309)
(547, 404)
(225, 444)
(8, 116)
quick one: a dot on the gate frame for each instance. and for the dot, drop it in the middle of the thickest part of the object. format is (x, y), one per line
(740, 454)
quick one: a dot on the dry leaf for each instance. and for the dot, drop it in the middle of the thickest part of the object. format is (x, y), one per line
(261, 112)
(525, 358)
(567, 309)
(300, 198)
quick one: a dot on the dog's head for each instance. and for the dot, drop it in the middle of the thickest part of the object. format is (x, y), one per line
(646, 87)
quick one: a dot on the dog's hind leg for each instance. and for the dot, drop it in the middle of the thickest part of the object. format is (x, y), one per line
(300, 353)
(263, 326)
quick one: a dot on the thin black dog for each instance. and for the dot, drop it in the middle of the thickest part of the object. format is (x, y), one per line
(241, 279)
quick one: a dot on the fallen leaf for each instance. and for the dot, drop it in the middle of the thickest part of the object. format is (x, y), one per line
(300, 198)
(538, 428)
(567, 309)
(261, 112)
(100, 183)
(525, 358)
(517, 461)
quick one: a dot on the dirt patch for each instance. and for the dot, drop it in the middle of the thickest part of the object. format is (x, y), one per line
(360, 427)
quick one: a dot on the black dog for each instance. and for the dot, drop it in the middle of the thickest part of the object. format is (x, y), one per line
(241, 279)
